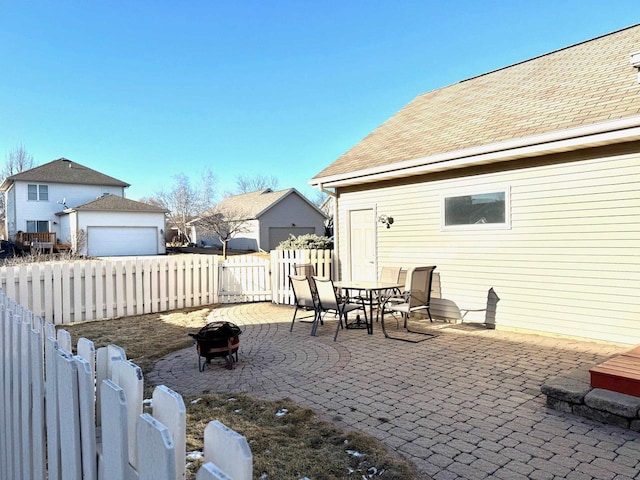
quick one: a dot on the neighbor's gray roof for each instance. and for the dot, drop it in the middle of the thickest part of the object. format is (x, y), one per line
(63, 171)
(115, 203)
(252, 205)
(584, 84)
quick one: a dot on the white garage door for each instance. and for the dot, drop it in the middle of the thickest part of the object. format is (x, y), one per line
(108, 241)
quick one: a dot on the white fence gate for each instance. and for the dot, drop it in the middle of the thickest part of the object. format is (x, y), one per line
(244, 278)
(80, 417)
(251, 278)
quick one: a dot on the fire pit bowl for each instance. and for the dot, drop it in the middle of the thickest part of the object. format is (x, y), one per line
(217, 340)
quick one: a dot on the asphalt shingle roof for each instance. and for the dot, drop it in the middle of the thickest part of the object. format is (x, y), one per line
(119, 204)
(584, 84)
(66, 171)
(251, 205)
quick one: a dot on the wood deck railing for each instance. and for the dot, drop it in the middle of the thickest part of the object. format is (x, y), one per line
(25, 238)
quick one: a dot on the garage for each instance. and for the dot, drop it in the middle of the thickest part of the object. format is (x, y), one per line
(118, 241)
(280, 234)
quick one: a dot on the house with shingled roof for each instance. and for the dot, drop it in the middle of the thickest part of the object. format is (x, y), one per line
(521, 185)
(267, 218)
(72, 206)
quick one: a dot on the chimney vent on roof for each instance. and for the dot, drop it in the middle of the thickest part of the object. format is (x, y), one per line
(635, 62)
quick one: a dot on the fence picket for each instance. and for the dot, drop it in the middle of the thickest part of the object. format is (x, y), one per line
(169, 409)
(36, 289)
(56, 299)
(66, 299)
(89, 289)
(4, 389)
(99, 290)
(120, 292)
(180, 265)
(228, 450)
(51, 409)
(16, 324)
(64, 339)
(47, 283)
(38, 447)
(188, 282)
(25, 396)
(139, 287)
(78, 295)
(115, 447)
(86, 413)
(153, 268)
(70, 448)
(163, 288)
(210, 471)
(23, 293)
(158, 463)
(129, 377)
(87, 350)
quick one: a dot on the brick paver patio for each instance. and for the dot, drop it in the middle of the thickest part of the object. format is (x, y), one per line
(463, 405)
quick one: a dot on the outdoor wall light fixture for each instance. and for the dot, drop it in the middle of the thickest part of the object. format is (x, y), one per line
(386, 220)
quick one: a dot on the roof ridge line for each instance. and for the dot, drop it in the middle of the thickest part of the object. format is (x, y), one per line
(549, 53)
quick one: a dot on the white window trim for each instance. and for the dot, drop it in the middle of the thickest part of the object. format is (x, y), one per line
(36, 225)
(478, 226)
(37, 185)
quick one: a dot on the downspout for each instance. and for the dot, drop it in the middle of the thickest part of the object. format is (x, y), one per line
(334, 259)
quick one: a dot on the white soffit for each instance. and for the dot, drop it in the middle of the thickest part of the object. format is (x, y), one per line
(607, 133)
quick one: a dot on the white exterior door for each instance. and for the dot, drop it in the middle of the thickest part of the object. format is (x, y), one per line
(362, 248)
(108, 241)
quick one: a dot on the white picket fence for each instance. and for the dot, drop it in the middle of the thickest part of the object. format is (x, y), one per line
(101, 289)
(80, 417)
(283, 263)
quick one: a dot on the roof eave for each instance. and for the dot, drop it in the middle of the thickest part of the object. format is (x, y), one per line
(606, 133)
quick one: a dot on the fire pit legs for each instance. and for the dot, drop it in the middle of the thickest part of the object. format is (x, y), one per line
(227, 352)
(216, 340)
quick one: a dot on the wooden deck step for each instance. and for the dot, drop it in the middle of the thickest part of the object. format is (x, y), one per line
(619, 374)
(634, 352)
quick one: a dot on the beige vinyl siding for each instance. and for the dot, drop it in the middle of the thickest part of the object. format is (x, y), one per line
(569, 264)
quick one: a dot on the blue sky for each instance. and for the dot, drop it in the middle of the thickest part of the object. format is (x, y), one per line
(143, 90)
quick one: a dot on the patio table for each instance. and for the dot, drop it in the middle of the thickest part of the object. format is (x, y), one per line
(369, 288)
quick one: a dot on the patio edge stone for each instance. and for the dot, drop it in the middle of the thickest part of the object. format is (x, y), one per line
(571, 389)
(613, 402)
(572, 393)
(601, 416)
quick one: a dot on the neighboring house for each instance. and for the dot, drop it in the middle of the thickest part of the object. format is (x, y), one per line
(268, 218)
(523, 183)
(67, 201)
(114, 225)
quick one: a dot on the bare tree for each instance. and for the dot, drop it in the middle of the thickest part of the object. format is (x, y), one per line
(319, 198)
(151, 201)
(18, 160)
(320, 201)
(245, 184)
(225, 223)
(184, 200)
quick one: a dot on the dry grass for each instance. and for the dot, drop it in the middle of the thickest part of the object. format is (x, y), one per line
(292, 446)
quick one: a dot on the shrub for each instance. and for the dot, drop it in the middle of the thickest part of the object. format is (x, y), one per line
(310, 241)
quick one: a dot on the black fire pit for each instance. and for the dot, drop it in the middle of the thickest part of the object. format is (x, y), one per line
(217, 340)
